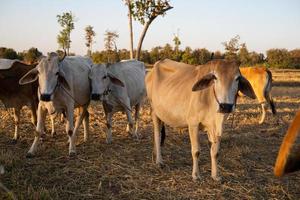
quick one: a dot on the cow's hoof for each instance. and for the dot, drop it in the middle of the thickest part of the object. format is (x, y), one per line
(160, 165)
(53, 134)
(72, 154)
(217, 178)
(14, 141)
(109, 141)
(29, 155)
(196, 178)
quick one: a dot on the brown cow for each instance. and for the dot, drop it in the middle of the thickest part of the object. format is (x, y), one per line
(260, 79)
(16, 96)
(286, 162)
(196, 97)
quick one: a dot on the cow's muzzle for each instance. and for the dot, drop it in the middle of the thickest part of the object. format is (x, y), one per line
(96, 97)
(45, 97)
(225, 108)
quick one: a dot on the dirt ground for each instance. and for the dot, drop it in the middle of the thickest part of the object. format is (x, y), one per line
(124, 169)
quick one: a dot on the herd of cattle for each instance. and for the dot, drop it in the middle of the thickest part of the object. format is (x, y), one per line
(180, 95)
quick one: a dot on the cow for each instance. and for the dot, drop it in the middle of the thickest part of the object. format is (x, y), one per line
(16, 96)
(196, 97)
(287, 162)
(63, 86)
(120, 87)
(260, 79)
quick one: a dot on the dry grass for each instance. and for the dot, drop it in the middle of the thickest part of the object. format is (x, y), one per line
(124, 169)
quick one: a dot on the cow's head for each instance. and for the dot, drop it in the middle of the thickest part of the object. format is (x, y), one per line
(226, 80)
(101, 77)
(49, 75)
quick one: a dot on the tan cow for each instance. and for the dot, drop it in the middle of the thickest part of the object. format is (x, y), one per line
(260, 79)
(196, 97)
(286, 162)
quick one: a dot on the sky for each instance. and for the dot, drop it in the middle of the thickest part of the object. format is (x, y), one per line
(261, 24)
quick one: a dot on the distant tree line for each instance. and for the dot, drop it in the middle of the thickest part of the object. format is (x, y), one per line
(275, 58)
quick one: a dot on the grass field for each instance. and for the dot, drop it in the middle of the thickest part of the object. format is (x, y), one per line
(124, 169)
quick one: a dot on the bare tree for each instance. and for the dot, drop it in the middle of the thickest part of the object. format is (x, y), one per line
(129, 4)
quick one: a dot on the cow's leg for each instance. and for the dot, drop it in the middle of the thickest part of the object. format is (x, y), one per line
(263, 115)
(195, 149)
(53, 132)
(129, 128)
(214, 149)
(17, 121)
(136, 119)
(33, 115)
(86, 125)
(157, 139)
(108, 117)
(41, 116)
(69, 130)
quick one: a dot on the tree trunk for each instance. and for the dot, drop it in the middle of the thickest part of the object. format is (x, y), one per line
(130, 29)
(139, 47)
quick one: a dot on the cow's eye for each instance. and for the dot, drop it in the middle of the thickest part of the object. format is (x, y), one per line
(238, 78)
(104, 77)
(57, 73)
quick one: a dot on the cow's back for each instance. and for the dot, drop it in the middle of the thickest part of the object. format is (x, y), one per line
(258, 78)
(132, 73)
(11, 93)
(76, 69)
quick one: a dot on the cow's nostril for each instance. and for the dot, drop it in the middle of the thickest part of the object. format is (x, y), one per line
(45, 97)
(95, 96)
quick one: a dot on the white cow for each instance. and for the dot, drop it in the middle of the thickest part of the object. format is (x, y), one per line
(63, 86)
(120, 86)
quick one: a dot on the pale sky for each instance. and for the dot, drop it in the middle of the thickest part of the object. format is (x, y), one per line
(261, 24)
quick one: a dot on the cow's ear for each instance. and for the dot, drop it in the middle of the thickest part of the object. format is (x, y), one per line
(115, 80)
(62, 80)
(29, 77)
(246, 88)
(204, 82)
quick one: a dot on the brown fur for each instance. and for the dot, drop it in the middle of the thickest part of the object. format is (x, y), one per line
(284, 162)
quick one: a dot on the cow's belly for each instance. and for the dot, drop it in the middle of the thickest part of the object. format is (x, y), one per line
(172, 116)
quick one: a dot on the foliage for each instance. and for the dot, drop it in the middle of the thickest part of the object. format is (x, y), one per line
(110, 38)
(231, 48)
(278, 58)
(31, 56)
(89, 36)
(66, 21)
(8, 53)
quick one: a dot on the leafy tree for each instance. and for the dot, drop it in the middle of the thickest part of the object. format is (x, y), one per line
(145, 11)
(231, 48)
(295, 58)
(278, 58)
(155, 54)
(110, 38)
(8, 53)
(201, 56)
(89, 34)
(167, 51)
(243, 55)
(217, 55)
(187, 56)
(31, 55)
(177, 43)
(66, 21)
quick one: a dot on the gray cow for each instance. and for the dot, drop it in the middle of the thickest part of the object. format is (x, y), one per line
(120, 86)
(63, 86)
(196, 97)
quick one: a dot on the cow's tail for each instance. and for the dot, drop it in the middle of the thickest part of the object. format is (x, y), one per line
(267, 91)
(162, 134)
(284, 162)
